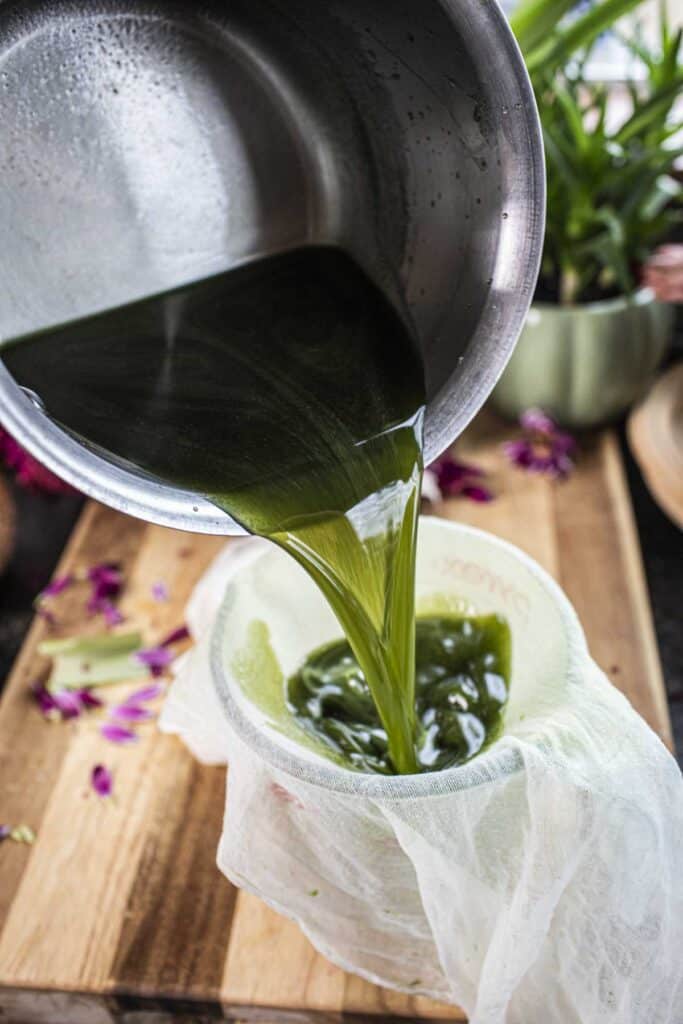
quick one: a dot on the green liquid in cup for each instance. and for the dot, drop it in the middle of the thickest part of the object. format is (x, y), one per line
(291, 393)
(461, 688)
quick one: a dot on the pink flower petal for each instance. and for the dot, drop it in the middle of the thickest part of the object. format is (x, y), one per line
(538, 422)
(130, 713)
(43, 699)
(454, 478)
(146, 693)
(549, 457)
(157, 659)
(107, 576)
(101, 780)
(56, 586)
(29, 473)
(479, 494)
(160, 591)
(88, 699)
(118, 733)
(68, 703)
(178, 634)
(112, 616)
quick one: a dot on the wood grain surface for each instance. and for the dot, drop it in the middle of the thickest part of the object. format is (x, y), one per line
(118, 912)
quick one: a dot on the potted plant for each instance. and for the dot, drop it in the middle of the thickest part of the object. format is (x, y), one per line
(593, 336)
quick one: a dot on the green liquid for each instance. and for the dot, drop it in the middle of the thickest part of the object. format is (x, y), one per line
(291, 393)
(462, 676)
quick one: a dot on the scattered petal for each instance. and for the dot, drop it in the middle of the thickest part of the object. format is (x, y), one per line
(545, 449)
(56, 586)
(5, 832)
(450, 478)
(28, 472)
(130, 713)
(106, 580)
(157, 659)
(102, 780)
(64, 703)
(112, 616)
(44, 699)
(478, 494)
(88, 698)
(117, 733)
(160, 591)
(178, 634)
(535, 421)
(145, 694)
(68, 703)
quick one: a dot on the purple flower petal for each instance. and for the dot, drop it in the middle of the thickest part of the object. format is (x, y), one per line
(56, 586)
(101, 780)
(455, 478)
(88, 699)
(146, 693)
(519, 452)
(107, 578)
(160, 591)
(535, 421)
(64, 703)
(130, 713)
(157, 659)
(479, 494)
(181, 633)
(117, 733)
(44, 699)
(112, 616)
(106, 581)
(68, 703)
(29, 473)
(5, 832)
(547, 457)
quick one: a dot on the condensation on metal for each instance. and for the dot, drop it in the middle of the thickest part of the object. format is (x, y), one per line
(146, 145)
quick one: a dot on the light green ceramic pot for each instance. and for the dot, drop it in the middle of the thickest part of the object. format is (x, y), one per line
(585, 365)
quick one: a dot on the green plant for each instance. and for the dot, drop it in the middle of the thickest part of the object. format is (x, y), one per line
(611, 199)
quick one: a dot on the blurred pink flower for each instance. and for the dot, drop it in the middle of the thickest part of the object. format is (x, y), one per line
(544, 449)
(28, 472)
(447, 477)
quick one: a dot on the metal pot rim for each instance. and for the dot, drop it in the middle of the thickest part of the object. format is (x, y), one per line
(496, 334)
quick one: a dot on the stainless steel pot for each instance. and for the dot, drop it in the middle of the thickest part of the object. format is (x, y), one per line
(147, 144)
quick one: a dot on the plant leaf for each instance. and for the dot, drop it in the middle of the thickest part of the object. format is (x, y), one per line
(581, 33)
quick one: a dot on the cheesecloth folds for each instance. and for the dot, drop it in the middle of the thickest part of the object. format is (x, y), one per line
(540, 882)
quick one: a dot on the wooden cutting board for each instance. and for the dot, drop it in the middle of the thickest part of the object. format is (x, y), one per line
(117, 912)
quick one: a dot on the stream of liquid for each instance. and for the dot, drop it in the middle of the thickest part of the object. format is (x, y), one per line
(291, 393)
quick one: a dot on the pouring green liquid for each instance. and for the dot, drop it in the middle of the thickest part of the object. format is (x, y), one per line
(291, 393)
